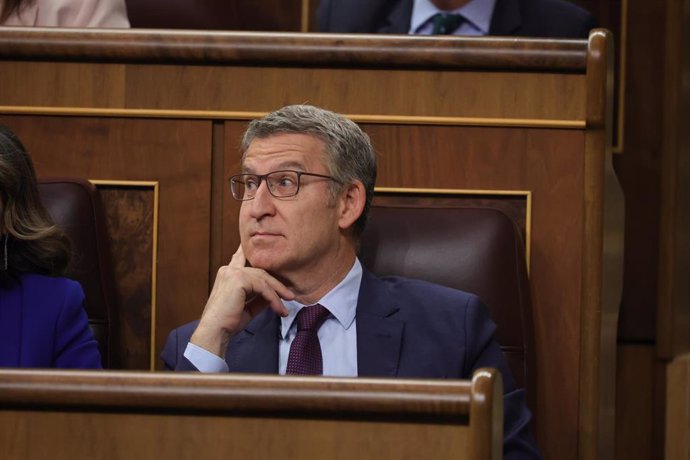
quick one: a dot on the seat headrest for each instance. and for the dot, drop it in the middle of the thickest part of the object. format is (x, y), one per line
(75, 207)
(478, 250)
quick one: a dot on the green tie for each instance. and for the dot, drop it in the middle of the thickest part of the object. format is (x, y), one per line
(446, 24)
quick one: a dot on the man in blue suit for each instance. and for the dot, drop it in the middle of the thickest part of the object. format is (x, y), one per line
(527, 18)
(306, 185)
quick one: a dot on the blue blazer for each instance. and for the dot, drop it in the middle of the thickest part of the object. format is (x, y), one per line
(529, 18)
(405, 328)
(43, 324)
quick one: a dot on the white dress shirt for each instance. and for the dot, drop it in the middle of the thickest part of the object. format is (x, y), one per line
(477, 14)
(337, 335)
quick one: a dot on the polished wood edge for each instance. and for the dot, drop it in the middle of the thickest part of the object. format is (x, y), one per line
(155, 185)
(357, 50)
(590, 289)
(597, 349)
(613, 224)
(238, 115)
(447, 399)
(486, 414)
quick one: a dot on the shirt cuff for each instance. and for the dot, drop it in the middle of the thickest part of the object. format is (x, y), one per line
(204, 360)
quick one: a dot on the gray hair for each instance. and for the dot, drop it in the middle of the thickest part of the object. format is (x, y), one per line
(348, 150)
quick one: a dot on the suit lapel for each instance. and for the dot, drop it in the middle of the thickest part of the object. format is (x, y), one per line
(255, 350)
(379, 336)
(379, 332)
(398, 19)
(11, 326)
(506, 18)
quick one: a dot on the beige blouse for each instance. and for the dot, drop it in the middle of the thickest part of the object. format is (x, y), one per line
(71, 13)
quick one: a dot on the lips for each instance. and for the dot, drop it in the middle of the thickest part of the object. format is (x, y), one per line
(263, 234)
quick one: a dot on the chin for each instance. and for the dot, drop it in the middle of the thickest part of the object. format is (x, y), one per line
(264, 259)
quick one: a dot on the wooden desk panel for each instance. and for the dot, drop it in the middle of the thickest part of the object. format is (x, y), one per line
(452, 113)
(176, 156)
(66, 415)
(359, 92)
(71, 435)
(677, 443)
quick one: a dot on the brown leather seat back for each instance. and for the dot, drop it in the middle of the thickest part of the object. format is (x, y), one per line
(74, 205)
(479, 250)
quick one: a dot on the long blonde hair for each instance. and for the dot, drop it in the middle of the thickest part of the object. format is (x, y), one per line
(35, 244)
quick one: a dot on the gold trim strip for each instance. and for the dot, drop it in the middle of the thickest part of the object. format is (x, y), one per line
(528, 231)
(450, 191)
(469, 121)
(154, 253)
(124, 183)
(305, 16)
(154, 278)
(239, 115)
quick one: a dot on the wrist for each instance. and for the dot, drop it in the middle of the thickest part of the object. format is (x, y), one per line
(212, 339)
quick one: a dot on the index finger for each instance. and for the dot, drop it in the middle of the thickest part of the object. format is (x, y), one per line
(238, 260)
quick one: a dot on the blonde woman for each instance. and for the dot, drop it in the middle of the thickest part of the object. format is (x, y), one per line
(42, 319)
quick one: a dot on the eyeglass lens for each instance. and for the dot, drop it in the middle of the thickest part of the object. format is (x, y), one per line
(280, 183)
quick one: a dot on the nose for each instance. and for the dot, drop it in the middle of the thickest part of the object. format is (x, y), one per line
(262, 204)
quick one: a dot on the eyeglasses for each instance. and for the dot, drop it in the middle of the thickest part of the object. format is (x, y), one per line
(281, 184)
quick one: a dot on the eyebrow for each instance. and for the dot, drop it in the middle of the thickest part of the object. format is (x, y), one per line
(286, 165)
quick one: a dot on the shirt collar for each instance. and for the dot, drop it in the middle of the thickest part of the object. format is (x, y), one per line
(341, 301)
(477, 12)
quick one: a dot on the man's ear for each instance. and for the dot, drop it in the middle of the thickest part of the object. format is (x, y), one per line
(352, 203)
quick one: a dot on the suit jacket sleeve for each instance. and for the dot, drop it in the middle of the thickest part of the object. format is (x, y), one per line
(173, 352)
(75, 346)
(483, 351)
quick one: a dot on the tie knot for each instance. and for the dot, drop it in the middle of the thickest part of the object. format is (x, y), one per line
(446, 23)
(312, 317)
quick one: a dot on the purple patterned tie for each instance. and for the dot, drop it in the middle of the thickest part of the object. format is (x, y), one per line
(305, 350)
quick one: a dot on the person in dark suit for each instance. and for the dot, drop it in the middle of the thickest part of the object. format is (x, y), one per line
(528, 18)
(42, 318)
(306, 185)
